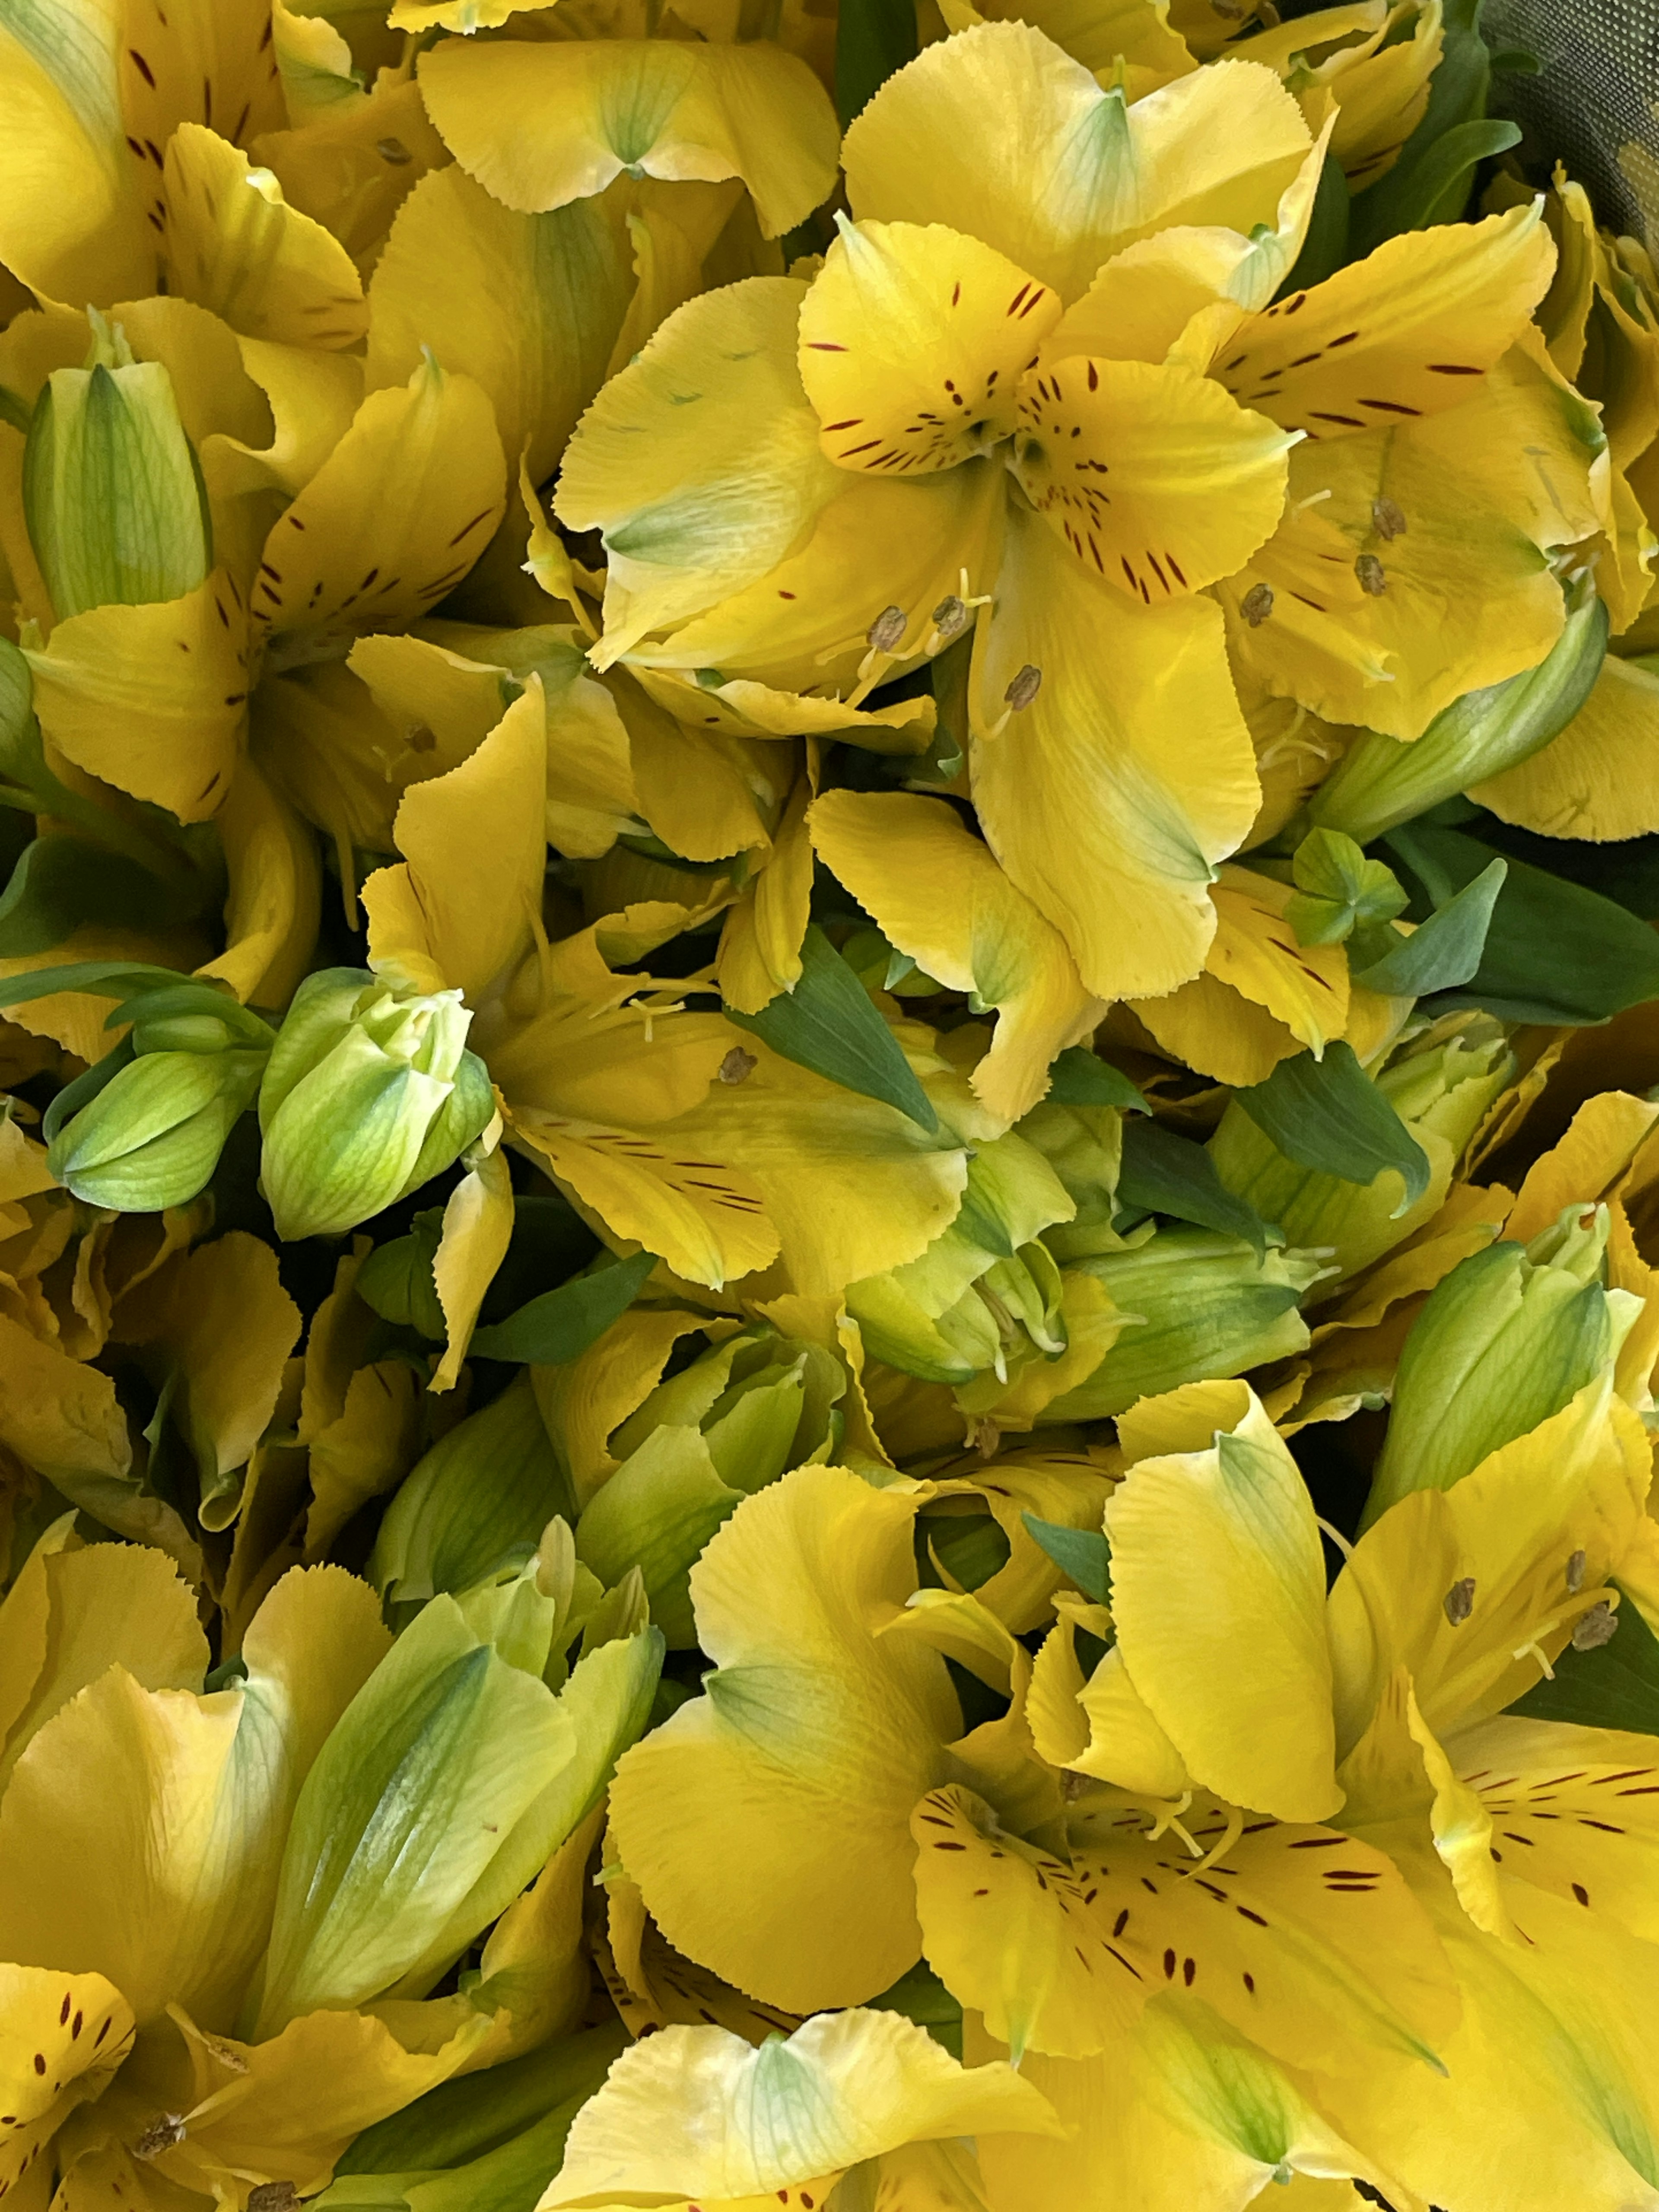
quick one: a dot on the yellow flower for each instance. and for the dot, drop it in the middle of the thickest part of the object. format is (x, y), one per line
(1055, 405)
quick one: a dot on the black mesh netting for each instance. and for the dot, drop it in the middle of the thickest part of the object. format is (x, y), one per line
(1596, 104)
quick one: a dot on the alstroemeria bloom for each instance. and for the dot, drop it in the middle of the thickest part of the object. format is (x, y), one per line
(1038, 388)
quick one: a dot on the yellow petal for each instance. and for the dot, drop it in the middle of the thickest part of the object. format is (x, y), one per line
(583, 1401)
(152, 699)
(851, 1185)
(477, 1227)
(1403, 333)
(760, 945)
(350, 164)
(1487, 489)
(1152, 476)
(913, 343)
(528, 305)
(474, 852)
(1605, 1147)
(1594, 779)
(998, 133)
(212, 61)
(72, 228)
(82, 2027)
(804, 1760)
(700, 461)
(585, 112)
(367, 1449)
(390, 523)
(1257, 954)
(1126, 1745)
(1207, 1025)
(1100, 33)
(1575, 1483)
(233, 245)
(74, 1612)
(1308, 1942)
(939, 896)
(275, 896)
(221, 1324)
(695, 2110)
(1219, 1593)
(1107, 826)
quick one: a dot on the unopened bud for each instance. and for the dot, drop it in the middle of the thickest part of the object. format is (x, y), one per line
(113, 500)
(370, 1092)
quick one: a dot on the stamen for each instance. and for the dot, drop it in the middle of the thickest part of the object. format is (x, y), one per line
(887, 630)
(1575, 1574)
(1372, 577)
(736, 1066)
(1024, 687)
(1388, 519)
(166, 2130)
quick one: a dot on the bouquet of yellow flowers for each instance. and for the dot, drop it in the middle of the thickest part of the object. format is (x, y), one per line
(828, 1112)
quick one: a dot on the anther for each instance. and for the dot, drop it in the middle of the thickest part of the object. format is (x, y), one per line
(166, 2130)
(1388, 519)
(1024, 687)
(1369, 571)
(886, 632)
(1257, 605)
(393, 150)
(1595, 1628)
(272, 2197)
(1575, 1574)
(949, 615)
(1459, 1600)
(738, 1066)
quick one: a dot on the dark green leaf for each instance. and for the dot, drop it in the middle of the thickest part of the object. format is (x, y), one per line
(1626, 872)
(560, 1325)
(829, 1023)
(1324, 248)
(1458, 93)
(873, 38)
(1081, 1078)
(1327, 1114)
(63, 884)
(1163, 1173)
(1554, 952)
(1614, 1687)
(1446, 949)
(1081, 1554)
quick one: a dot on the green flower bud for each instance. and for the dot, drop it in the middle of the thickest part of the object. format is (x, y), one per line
(476, 1503)
(1440, 1087)
(1381, 782)
(163, 1103)
(984, 1288)
(735, 1419)
(370, 1092)
(1507, 1338)
(1208, 1309)
(440, 1793)
(114, 502)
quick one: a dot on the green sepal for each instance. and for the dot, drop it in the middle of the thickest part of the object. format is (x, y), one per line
(1083, 1555)
(1164, 1173)
(1338, 888)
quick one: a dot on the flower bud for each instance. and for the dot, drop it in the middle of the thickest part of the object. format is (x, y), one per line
(112, 497)
(982, 1290)
(151, 1134)
(476, 1503)
(1208, 1307)
(1440, 1090)
(1509, 1337)
(370, 1092)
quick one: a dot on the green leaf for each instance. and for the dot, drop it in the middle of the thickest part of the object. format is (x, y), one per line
(561, 1324)
(1554, 952)
(1614, 1687)
(1336, 887)
(85, 1088)
(1324, 248)
(1327, 1114)
(1427, 184)
(1163, 1173)
(873, 38)
(1447, 949)
(829, 1023)
(62, 883)
(1079, 1078)
(1081, 1554)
